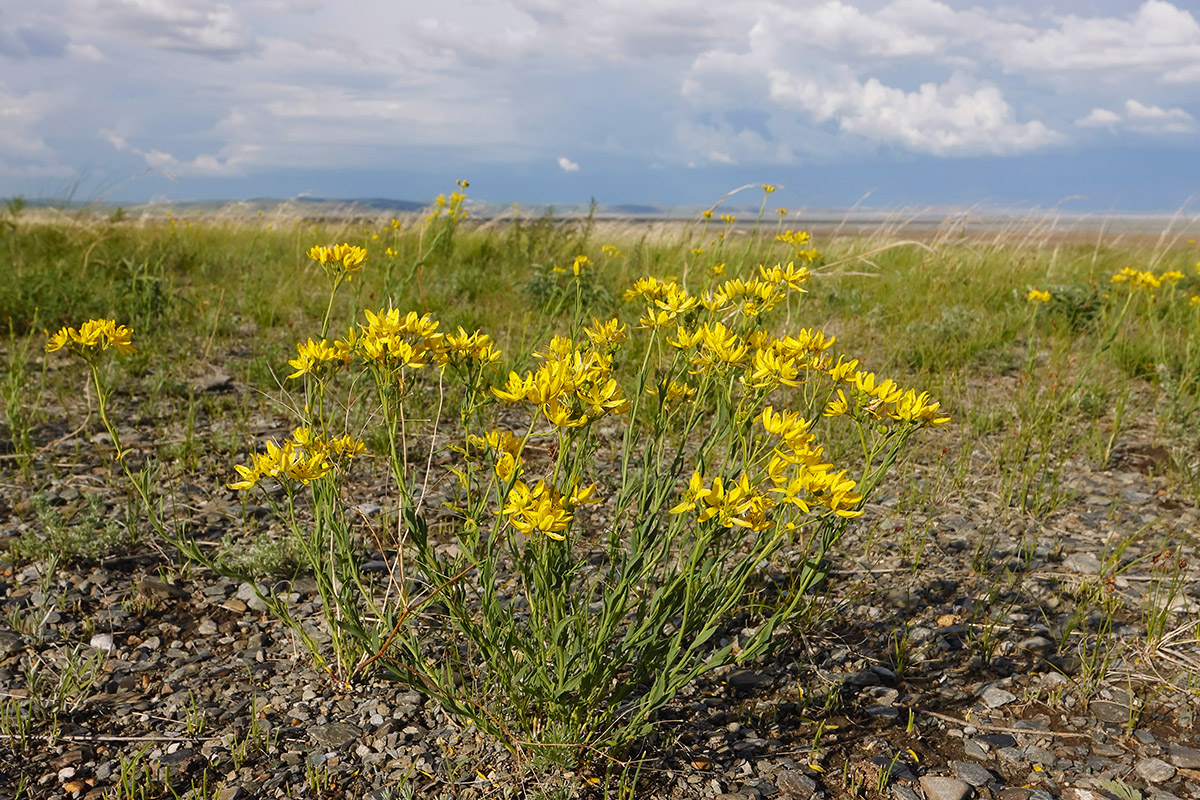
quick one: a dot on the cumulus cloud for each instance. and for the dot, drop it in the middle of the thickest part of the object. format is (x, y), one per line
(940, 119)
(1099, 118)
(1158, 37)
(1142, 118)
(567, 165)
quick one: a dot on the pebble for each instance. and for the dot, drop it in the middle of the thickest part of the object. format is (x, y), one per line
(940, 788)
(995, 697)
(971, 773)
(335, 735)
(793, 783)
(101, 641)
(1184, 757)
(1155, 770)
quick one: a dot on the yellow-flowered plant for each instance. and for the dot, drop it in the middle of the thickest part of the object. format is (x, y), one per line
(90, 340)
(603, 530)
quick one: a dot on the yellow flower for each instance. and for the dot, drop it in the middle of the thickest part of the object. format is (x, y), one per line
(911, 407)
(340, 261)
(606, 335)
(1038, 296)
(788, 276)
(768, 188)
(843, 371)
(313, 355)
(1172, 276)
(1194, 300)
(610, 251)
(838, 407)
(94, 334)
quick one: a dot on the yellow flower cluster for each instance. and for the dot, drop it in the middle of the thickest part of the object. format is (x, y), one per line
(798, 240)
(449, 207)
(572, 387)
(93, 335)
(1038, 296)
(801, 476)
(543, 509)
(314, 356)
(306, 457)
(881, 399)
(738, 504)
(1138, 279)
(577, 268)
(340, 261)
(391, 340)
(610, 250)
(667, 300)
(504, 449)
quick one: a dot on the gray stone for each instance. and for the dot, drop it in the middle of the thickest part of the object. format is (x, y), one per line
(247, 595)
(1038, 645)
(971, 773)
(1110, 712)
(994, 697)
(1155, 770)
(939, 788)
(746, 680)
(10, 643)
(101, 641)
(1184, 757)
(793, 783)
(335, 735)
(154, 589)
(1082, 563)
(972, 749)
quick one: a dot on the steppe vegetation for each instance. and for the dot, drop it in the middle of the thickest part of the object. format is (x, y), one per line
(528, 506)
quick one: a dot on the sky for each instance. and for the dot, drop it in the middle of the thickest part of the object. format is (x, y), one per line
(1023, 104)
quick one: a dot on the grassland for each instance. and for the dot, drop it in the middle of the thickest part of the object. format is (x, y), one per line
(1052, 524)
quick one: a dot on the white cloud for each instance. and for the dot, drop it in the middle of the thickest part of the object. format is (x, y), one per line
(198, 27)
(1099, 118)
(1158, 37)
(1142, 118)
(567, 165)
(23, 149)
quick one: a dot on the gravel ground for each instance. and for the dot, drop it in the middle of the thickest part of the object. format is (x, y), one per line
(948, 658)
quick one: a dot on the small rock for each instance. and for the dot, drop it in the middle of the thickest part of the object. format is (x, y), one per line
(1038, 645)
(994, 697)
(101, 641)
(249, 596)
(10, 643)
(1082, 563)
(1110, 712)
(1013, 793)
(335, 735)
(1155, 770)
(230, 793)
(1184, 757)
(938, 788)
(745, 680)
(793, 783)
(154, 589)
(972, 749)
(971, 773)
